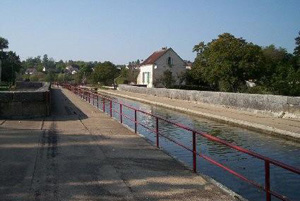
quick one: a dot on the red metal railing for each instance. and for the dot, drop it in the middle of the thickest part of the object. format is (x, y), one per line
(86, 95)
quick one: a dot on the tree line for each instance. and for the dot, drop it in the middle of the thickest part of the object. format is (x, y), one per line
(47, 69)
(228, 63)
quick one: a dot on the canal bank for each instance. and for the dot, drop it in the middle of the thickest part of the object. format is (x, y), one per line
(286, 128)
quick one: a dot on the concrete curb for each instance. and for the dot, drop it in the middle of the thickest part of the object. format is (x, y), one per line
(252, 126)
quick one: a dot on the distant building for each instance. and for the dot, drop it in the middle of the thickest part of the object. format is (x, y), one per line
(133, 66)
(153, 68)
(72, 69)
(250, 83)
(188, 65)
(30, 71)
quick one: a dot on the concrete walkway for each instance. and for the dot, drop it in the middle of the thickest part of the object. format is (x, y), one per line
(79, 153)
(288, 128)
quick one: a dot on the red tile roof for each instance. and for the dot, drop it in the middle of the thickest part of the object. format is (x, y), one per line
(153, 57)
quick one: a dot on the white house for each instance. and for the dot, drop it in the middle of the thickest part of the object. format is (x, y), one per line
(152, 69)
(72, 69)
(30, 71)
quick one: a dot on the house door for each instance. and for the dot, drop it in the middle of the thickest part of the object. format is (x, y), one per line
(146, 77)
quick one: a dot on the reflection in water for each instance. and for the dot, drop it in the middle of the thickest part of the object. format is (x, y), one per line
(283, 150)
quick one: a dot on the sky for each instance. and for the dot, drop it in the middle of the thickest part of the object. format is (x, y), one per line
(126, 30)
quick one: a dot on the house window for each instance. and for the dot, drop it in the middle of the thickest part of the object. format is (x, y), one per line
(146, 77)
(169, 61)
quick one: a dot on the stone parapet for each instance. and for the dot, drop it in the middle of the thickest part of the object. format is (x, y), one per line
(278, 105)
(27, 103)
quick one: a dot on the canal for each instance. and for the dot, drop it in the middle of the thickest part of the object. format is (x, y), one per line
(286, 151)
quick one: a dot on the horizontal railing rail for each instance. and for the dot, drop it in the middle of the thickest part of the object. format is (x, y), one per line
(87, 94)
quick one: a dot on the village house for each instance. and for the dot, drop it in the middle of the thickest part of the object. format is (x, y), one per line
(188, 65)
(72, 69)
(153, 68)
(30, 71)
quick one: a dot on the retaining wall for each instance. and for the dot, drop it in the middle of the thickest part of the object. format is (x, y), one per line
(279, 105)
(29, 85)
(25, 104)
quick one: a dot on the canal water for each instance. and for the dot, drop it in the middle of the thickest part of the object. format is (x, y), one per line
(286, 151)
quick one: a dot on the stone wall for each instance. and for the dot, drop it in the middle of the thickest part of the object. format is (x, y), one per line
(25, 104)
(272, 103)
(29, 85)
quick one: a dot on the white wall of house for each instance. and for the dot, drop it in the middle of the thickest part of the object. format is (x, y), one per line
(143, 79)
(177, 67)
(156, 70)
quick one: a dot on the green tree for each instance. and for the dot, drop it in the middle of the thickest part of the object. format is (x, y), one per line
(32, 62)
(123, 77)
(49, 63)
(281, 75)
(50, 77)
(60, 66)
(105, 73)
(62, 77)
(297, 48)
(226, 63)
(45, 60)
(167, 79)
(11, 63)
(297, 52)
(128, 75)
(3, 43)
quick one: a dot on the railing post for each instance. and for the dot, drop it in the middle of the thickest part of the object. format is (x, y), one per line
(121, 117)
(89, 97)
(97, 101)
(110, 108)
(267, 181)
(93, 99)
(194, 153)
(135, 121)
(157, 134)
(103, 100)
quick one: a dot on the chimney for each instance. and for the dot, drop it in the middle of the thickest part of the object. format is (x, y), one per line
(164, 48)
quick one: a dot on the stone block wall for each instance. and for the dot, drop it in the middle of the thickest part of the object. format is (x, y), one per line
(29, 85)
(25, 104)
(259, 102)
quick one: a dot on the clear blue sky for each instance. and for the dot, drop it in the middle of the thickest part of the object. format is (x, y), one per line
(124, 30)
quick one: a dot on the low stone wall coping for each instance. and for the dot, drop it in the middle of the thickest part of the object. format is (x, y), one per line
(259, 102)
(33, 102)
